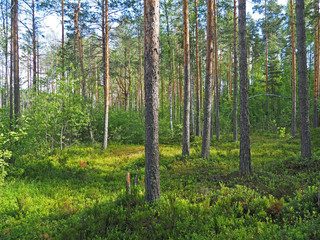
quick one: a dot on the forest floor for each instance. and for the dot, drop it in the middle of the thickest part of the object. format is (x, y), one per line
(80, 193)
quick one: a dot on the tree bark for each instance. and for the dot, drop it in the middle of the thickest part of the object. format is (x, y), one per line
(215, 69)
(6, 53)
(235, 74)
(16, 60)
(302, 82)
(151, 53)
(267, 77)
(316, 67)
(186, 105)
(205, 152)
(80, 51)
(180, 85)
(11, 70)
(198, 115)
(293, 59)
(34, 52)
(169, 68)
(245, 154)
(106, 75)
(229, 74)
(62, 38)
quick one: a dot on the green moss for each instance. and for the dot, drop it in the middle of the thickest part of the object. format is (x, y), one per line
(60, 197)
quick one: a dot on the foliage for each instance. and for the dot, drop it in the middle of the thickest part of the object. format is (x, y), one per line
(79, 192)
(125, 127)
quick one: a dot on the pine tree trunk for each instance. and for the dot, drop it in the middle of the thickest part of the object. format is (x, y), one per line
(198, 115)
(16, 60)
(205, 152)
(245, 154)
(173, 86)
(62, 38)
(96, 78)
(180, 85)
(80, 51)
(293, 59)
(302, 82)
(186, 105)
(170, 71)
(106, 75)
(316, 67)
(267, 77)
(235, 74)
(152, 169)
(11, 72)
(34, 52)
(215, 69)
(141, 84)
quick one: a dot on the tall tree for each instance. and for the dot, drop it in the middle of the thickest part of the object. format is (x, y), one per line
(293, 59)
(5, 26)
(302, 82)
(34, 52)
(235, 74)
(245, 153)
(80, 50)
(205, 151)
(186, 110)
(215, 69)
(151, 77)
(198, 114)
(11, 70)
(14, 26)
(166, 5)
(105, 48)
(62, 38)
(316, 66)
(266, 39)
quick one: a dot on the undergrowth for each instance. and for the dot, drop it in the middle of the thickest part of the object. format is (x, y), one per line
(80, 193)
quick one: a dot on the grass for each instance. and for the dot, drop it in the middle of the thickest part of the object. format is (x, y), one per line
(60, 197)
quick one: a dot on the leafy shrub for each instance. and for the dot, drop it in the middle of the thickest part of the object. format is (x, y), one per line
(125, 127)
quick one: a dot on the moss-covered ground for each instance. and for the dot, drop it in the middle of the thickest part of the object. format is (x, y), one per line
(80, 193)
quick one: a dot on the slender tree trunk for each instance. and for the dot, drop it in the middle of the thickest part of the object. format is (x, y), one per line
(129, 85)
(205, 152)
(34, 52)
(96, 77)
(192, 101)
(198, 115)
(106, 74)
(201, 82)
(38, 66)
(80, 51)
(62, 38)
(180, 85)
(169, 69)
(230, 74)
(316, 67)
(302, 82)
(235, 74)
(267, 77)
(151, 53)
(173, 86)
(141, 77)
(6, 27)
(215, 69)
(162, 96)
(186, 106)
(245, 153)
(16, 60)
(11, 69)
(293, 59)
